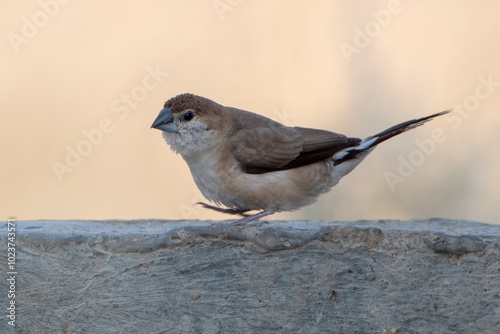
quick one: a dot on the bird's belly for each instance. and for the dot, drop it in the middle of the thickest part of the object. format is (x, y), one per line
(279, 191)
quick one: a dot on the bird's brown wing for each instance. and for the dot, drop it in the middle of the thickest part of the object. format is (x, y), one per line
(267, 149)
(319, 145)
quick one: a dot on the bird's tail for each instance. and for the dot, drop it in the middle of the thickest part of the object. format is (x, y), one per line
(372, 141)
(400, 128)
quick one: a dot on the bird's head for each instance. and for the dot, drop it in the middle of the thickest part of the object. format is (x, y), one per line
(190, 123)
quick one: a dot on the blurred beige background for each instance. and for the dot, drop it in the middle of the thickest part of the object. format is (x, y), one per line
(89, 77)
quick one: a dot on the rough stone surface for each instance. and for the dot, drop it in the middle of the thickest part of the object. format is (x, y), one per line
(153, 276)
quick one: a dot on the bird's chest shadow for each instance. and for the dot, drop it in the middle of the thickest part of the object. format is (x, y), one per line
(212, 179)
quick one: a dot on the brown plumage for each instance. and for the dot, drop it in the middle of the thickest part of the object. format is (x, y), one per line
(245, 161)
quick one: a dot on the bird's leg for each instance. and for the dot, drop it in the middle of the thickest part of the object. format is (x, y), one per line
(250, 218)
(247, 218)
(228, 211)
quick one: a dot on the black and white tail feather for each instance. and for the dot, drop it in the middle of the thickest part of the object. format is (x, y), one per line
(372, 141)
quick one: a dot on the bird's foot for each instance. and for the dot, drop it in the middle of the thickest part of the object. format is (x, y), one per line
(247, 219)
(228, 211)
(250, 219)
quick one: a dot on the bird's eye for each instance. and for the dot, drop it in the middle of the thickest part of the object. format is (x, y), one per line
(188, 115)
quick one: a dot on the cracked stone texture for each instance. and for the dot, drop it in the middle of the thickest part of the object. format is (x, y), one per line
(156, 276)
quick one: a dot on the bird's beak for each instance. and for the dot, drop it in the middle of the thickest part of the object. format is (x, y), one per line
(165, 121)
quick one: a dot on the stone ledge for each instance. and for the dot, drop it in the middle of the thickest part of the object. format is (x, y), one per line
(155, 276)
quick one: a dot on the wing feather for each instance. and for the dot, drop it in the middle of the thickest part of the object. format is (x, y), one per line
(277, 147)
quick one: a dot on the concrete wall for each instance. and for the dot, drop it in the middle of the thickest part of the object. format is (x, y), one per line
(152, 276)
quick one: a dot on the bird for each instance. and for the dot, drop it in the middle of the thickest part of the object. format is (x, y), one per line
(242, 161)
